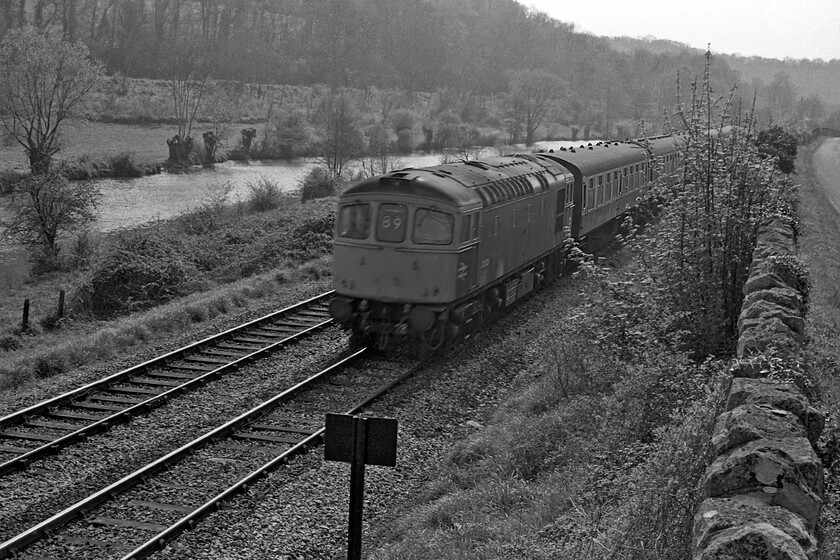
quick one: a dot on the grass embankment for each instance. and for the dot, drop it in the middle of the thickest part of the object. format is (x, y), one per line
(158, 280)
(602, 456)
(818, 166)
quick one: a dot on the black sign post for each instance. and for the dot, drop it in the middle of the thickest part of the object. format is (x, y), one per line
(359, 441)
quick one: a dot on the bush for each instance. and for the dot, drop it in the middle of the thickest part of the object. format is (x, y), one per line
(8, 180)
(288, 137)
(318, 183)
(9, 342)
(143, 269)
(86, 167)
(264, 195)
(312, 239)
(123, 165)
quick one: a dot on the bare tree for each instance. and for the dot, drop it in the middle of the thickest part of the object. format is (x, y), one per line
(42, 208)
(189, 71)
(532, 93)
(43, 81)
(343, 140)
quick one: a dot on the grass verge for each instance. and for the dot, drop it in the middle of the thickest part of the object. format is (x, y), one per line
(65, 350)
(601, 456)
(819, 247)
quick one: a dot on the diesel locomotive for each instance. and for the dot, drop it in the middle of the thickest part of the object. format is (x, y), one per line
(424, 256)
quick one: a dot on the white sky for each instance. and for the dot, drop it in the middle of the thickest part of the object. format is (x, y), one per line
(768, 28)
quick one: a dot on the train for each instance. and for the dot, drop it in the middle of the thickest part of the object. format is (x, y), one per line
(423, 257)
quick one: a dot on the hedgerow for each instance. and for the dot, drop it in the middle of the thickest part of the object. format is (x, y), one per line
(143, 269)
(699, 252)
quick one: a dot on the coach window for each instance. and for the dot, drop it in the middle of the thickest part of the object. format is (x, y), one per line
(497, 223)
(529, 211)
(600, 198)
(354, 221)
(432, 227)
(475, 226)
(513, 220)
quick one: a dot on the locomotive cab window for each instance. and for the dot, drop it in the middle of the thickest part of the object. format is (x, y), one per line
(432, 227)
(354, 221)
(391, 224)
(466, 227)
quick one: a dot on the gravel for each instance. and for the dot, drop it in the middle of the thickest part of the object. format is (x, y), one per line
(300, 511)
(54, 483)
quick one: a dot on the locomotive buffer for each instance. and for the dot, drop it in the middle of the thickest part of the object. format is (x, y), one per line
(359, 441)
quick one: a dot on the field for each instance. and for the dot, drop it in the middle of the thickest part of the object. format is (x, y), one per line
(146, 143)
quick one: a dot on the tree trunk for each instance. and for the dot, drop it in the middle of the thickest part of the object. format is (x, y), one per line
(39, 161)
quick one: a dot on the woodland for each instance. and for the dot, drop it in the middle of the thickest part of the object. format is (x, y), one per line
(471, 49)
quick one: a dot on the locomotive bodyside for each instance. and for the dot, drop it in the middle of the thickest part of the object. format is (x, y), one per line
(426, 255)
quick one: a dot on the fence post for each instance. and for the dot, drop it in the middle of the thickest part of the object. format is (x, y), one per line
(60, 313)
(25, 322)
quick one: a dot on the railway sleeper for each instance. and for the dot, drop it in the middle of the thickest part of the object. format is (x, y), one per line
(31, 436)
(96, 406)
(271, 439)
(161, 506)
(118, 400)
(173, 375)
(130, 523)
(70, 415)
(137, 391)
(15, 450)
(204, 359)
(269, 449)
(273, 428)
(55, 425)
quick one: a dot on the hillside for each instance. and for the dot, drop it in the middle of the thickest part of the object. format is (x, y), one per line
(808, 78)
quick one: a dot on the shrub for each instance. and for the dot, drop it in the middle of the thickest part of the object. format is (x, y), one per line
(263, 195)
(9, 342)
(142, 270)
(288, 137)
(86, 167)
(8, 180)
(312, 239)
(123, 165)
(318, 183)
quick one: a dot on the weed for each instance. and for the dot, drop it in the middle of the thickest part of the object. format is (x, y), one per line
(318, 183)
(9, 343)
(263, 195)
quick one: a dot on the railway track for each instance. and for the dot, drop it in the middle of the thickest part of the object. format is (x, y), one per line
(49, 426)
(140, 514)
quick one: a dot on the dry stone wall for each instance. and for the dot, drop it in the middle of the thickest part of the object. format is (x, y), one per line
(764, 490)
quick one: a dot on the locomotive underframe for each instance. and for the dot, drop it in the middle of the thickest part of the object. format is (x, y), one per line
(391, 326)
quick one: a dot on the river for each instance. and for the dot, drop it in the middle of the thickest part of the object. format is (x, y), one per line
(127, 203)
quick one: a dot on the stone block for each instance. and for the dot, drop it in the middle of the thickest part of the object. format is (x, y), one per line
(719, 520)
(750, 422)
(763, 281)
(757, 336)
(763, 310)
(777, 395)
(755, 541)
(788, 470)
(787, 298)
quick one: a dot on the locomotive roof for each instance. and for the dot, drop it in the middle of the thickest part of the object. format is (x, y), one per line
(482, 182)
(594, 158)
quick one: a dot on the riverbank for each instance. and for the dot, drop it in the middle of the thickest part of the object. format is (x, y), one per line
(210, 257)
